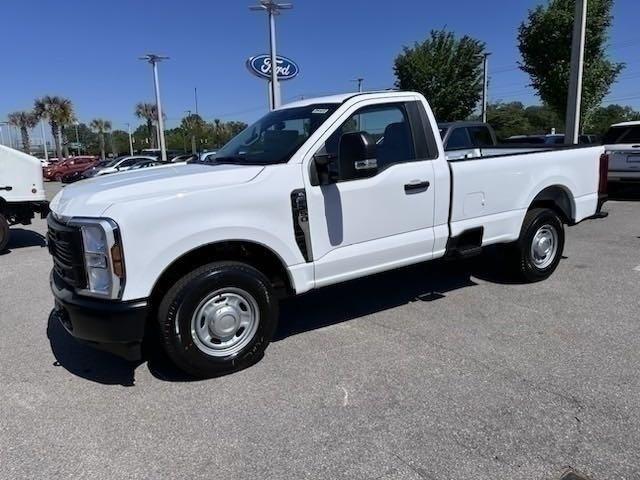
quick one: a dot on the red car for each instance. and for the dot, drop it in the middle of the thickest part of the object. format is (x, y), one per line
(70, 165)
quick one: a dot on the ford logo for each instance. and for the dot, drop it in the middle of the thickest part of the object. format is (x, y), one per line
(260, 66)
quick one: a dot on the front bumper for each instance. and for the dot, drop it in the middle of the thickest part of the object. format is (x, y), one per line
(114, 326)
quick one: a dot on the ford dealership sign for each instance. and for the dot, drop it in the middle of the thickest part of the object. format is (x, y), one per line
(260, 66)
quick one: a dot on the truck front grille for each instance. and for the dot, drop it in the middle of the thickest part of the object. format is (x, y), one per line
(65, 246)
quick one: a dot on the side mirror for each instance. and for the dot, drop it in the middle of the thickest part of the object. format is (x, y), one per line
(357, 156)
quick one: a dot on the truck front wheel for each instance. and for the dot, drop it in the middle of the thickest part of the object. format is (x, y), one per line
(218, 319)
(4, 233)
(539, 248)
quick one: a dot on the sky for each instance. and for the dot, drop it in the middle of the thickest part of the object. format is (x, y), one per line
(88, 51)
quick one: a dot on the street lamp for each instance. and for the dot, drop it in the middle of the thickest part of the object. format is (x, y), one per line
(154, 60)
(130, 139)
(273, 9)
(75, 124)
(359, 81)
(485, 84)
(574, 100)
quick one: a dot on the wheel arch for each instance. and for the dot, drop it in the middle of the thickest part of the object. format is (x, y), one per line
(557, 198)
(252, 253)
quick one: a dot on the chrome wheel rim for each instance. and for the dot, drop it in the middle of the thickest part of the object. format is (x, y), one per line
(225, 322)
(544, 246)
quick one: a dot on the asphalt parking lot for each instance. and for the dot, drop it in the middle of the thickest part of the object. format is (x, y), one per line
(437, 371)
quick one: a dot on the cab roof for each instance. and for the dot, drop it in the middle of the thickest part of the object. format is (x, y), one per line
(338, 99)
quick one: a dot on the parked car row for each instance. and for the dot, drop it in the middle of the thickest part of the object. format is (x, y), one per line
(466, 140)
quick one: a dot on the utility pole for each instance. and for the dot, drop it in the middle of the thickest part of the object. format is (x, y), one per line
(360, 82)
(272, 8)
(130, 139)
(574, 100)
(485, 85)
(154, 60)
(195, 96)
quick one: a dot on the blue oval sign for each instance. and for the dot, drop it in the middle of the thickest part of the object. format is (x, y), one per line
(260, 66)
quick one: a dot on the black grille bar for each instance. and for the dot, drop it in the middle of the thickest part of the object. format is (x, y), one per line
(65, 246)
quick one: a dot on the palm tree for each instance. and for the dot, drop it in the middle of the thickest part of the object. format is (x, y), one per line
(59, 112)
(24, 121)
(149, 113)
(102, 127)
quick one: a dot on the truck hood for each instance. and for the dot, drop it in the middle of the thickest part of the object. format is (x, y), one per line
(91, 197)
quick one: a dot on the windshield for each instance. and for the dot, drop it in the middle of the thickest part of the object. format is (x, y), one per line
(275, 137)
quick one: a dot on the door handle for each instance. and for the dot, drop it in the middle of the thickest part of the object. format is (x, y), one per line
(416, 186)
(7, 188)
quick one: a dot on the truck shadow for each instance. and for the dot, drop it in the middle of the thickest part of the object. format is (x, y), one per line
(427, 282)
(624, 192)
(22, 238)
(86, 362)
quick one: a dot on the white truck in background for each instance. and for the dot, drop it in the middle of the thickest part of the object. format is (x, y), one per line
(315, 193)
(622, 144)
(22, 192)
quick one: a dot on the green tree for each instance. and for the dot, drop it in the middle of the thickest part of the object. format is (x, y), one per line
(545, 45)
(195, 128)
(119, 142)
(59, 112)
(24, 121)
(149, 113)
(543, 119)
(101, 127)
(446, 70)
(602, 118)
(508, 119)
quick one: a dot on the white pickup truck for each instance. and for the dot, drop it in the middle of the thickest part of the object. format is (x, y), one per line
(314, 193)
(22, 192)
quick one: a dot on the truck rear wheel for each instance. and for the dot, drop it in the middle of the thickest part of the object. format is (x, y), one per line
(4, 233)
(218, 319)
(540, 246)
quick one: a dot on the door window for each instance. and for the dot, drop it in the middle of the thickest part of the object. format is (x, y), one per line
(389, 129)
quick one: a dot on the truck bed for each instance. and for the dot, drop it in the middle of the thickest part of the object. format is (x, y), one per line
(493, 191)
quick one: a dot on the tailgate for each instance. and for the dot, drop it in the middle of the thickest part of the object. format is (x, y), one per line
(624, 159)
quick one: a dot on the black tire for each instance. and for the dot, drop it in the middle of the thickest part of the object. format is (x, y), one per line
(529, 269)
(179, 305)
(4, 233)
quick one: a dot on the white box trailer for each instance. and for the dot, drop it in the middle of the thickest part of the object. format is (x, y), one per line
(21, 191)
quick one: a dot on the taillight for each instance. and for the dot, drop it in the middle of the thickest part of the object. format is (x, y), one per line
(603, 186)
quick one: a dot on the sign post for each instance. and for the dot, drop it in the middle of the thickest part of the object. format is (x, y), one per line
(285, 69)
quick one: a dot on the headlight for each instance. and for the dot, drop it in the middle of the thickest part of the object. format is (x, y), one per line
(103, 259)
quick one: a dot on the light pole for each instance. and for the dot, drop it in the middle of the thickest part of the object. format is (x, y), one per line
(485, 85)
(44, 141)
(574, 100)
(130, 139)
(360, 81)
(75, 124)
(154, 60)
(273, 9)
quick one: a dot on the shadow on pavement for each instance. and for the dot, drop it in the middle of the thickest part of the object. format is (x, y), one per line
(85, 361)
(343, 302)
(22, 238)
(625, 192)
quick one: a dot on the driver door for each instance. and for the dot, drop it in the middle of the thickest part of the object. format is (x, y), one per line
(362, 225)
